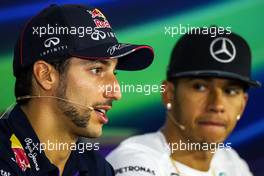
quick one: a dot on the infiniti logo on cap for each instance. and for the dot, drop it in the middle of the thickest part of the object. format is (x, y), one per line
(53, 41)
(225, 53)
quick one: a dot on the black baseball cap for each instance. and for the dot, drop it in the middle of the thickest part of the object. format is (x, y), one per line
(60, 32)
(226, 55)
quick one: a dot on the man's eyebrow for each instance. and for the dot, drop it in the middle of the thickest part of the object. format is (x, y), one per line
(104, 62)
(230, 82)
(199, 78)
(235, 83)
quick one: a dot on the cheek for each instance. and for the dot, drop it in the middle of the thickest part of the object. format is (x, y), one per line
(233, 109)
(194, 105)
(235, 105)
(81, 86)
(187, 108)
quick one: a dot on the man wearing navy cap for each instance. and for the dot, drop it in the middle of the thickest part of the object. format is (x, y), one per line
(63, 60)
(205, 96)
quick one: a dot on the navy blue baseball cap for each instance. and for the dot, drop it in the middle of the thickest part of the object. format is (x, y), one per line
(60, 32)
(225, 55)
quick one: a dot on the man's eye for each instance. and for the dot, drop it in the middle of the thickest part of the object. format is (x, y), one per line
(232, 91)
(199, 87)
(97, 70)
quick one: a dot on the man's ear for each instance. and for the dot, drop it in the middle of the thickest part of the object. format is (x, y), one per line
(44, 74)
(168, 93)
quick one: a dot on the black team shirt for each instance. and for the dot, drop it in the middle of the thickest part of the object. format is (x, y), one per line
(20, 153)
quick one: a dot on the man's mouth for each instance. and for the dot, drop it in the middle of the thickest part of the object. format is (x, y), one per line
(213, 123)
(101, 113)
(101, 110)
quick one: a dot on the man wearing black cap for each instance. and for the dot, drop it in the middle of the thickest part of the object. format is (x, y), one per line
(64, 58)
(205, 95)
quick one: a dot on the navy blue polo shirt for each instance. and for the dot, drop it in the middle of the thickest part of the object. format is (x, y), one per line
(20, 154)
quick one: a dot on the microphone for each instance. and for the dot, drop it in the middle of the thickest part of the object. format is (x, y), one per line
(69, 101)
(178, 124)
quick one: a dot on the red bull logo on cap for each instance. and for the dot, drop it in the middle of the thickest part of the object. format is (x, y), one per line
(100, 23)
(96, 13)
(20, 155)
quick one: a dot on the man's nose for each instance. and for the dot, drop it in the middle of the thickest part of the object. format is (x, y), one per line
(113, 90)
(216, 101)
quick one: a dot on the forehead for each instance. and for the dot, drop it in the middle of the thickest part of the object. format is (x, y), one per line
(214, 80)
(106, 62)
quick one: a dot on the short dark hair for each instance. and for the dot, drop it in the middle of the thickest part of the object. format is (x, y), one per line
(23, 84)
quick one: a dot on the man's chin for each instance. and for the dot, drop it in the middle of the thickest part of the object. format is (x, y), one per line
(95, 135)
(91, 133)
(208, 139)
(211, 137)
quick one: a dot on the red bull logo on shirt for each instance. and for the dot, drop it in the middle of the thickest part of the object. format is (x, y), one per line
(20, 155)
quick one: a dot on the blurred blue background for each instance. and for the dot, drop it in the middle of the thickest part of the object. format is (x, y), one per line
(144, 22)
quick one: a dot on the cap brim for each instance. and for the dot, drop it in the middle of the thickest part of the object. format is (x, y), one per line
(130, 57)
(218, 74)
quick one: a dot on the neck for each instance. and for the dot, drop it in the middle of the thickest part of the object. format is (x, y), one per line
(195, 159)
(51, 130)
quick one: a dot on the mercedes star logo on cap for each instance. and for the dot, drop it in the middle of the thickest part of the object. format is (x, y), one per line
(226, 53)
